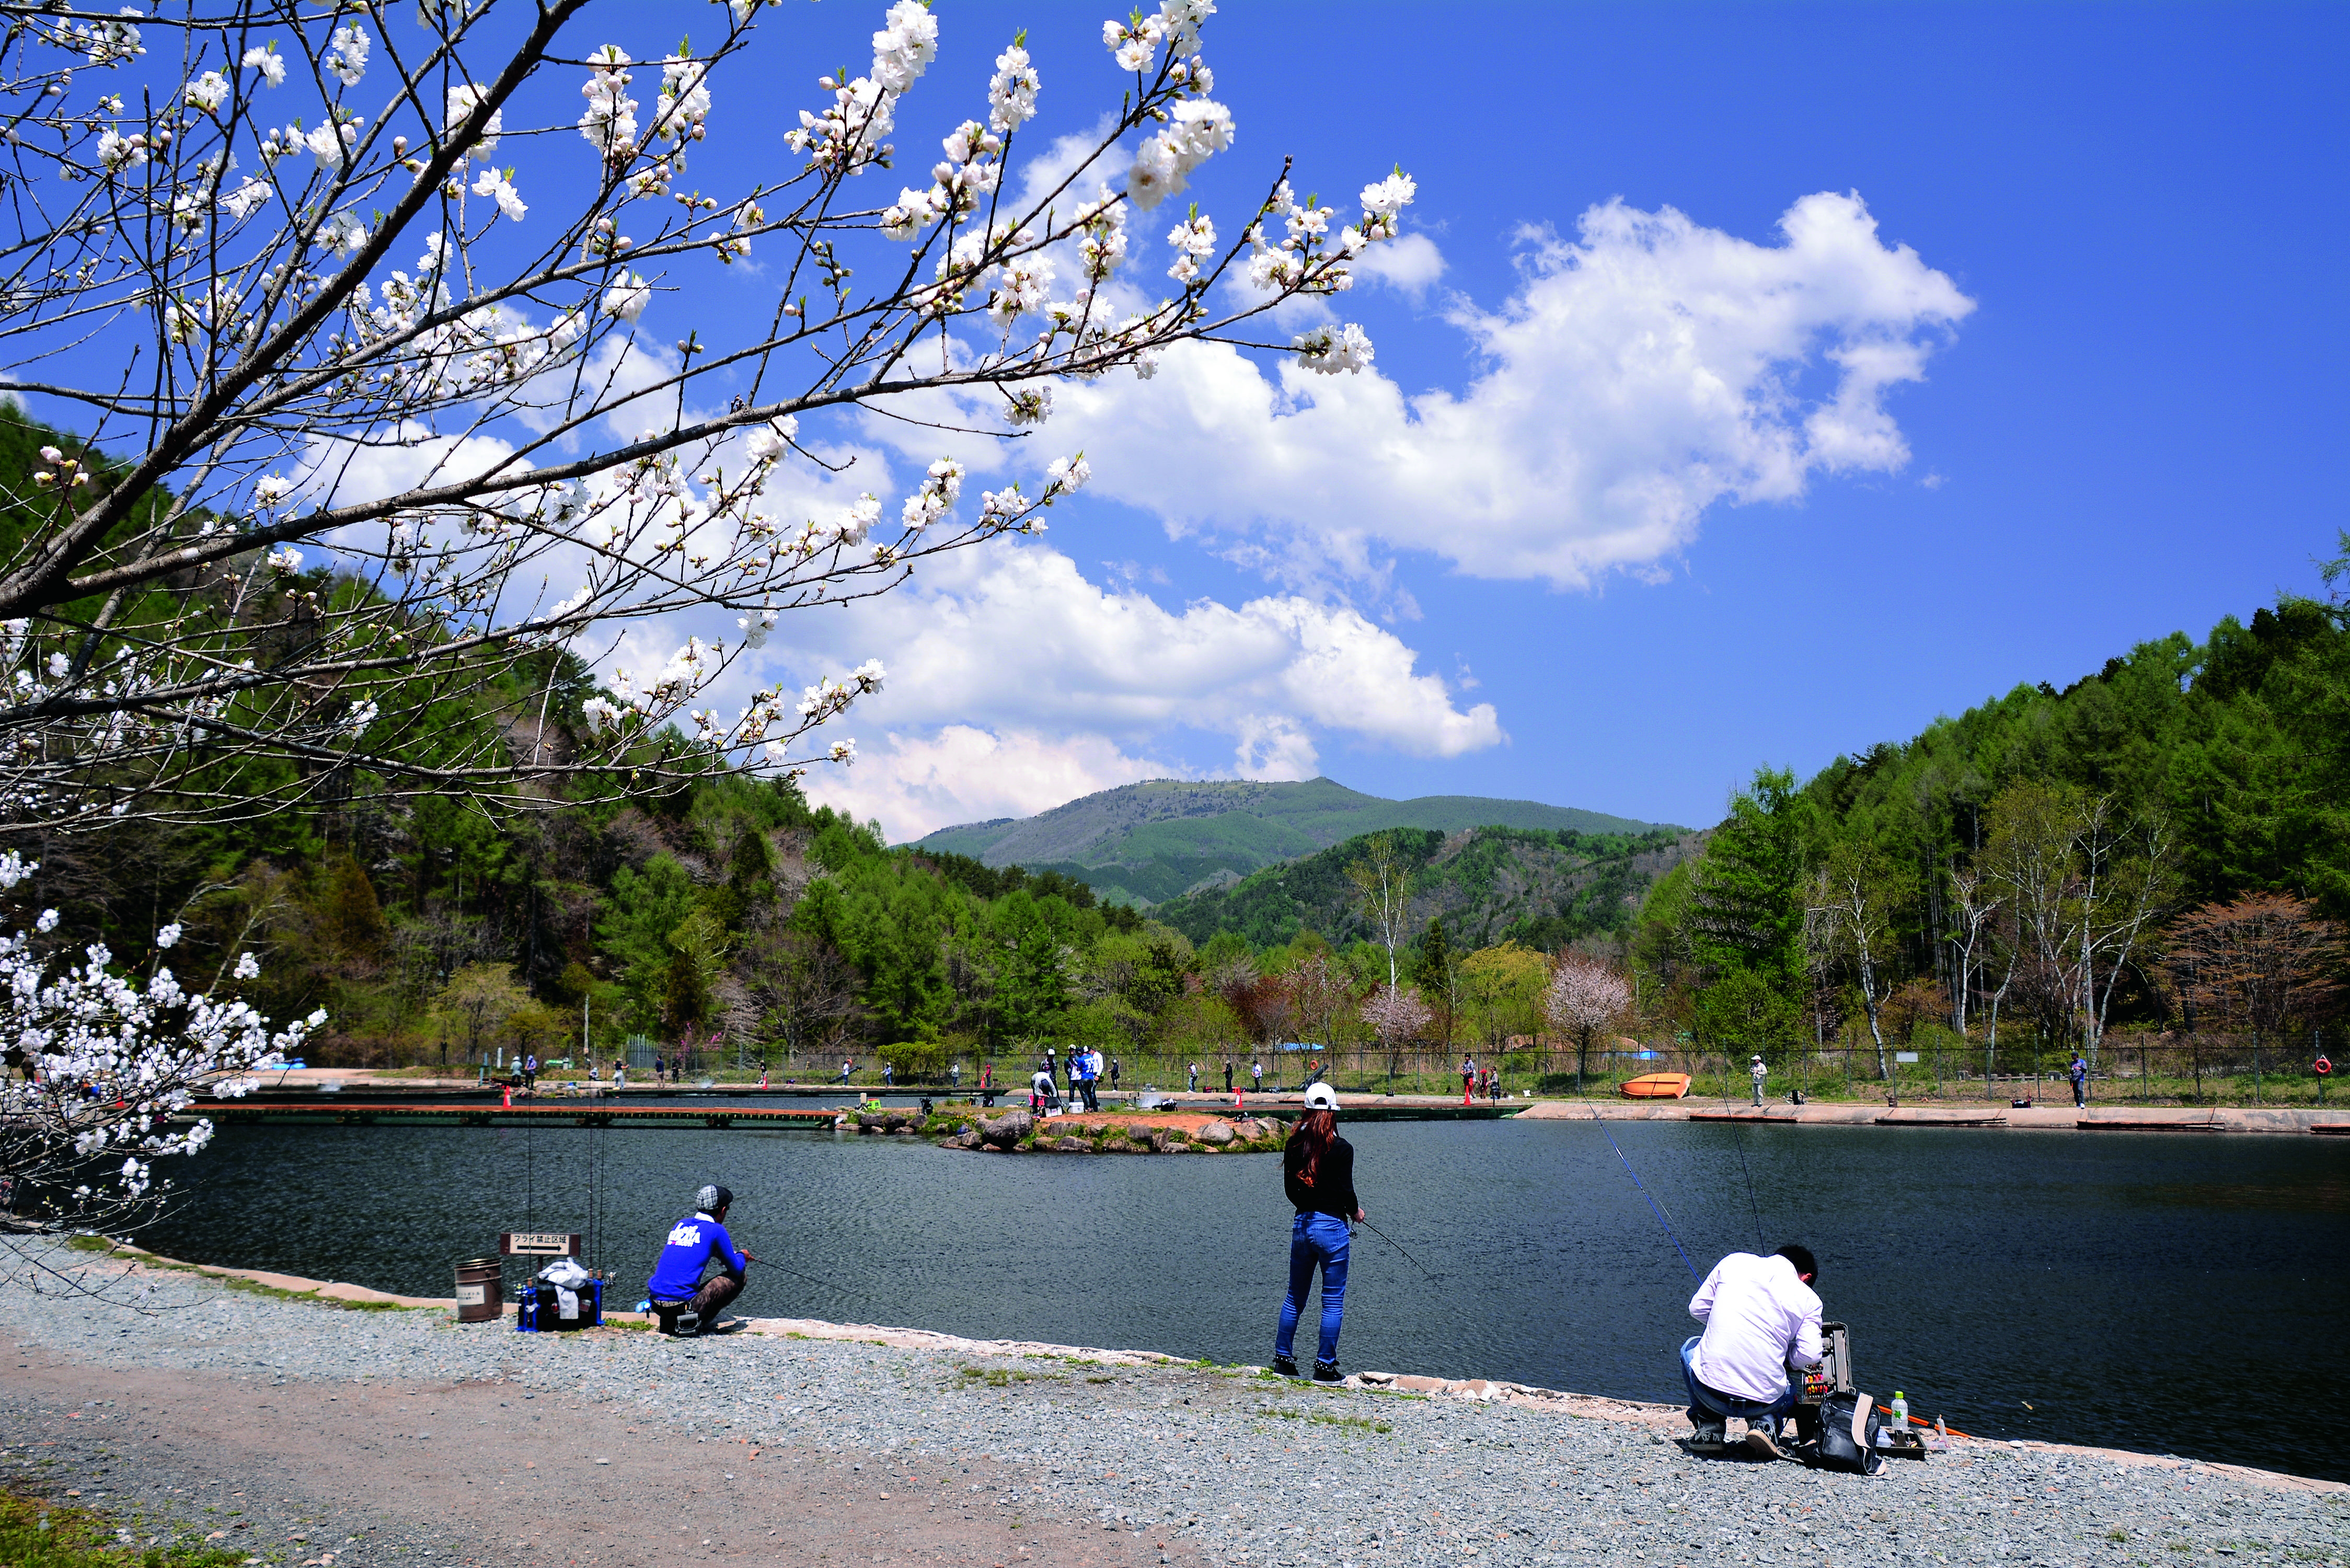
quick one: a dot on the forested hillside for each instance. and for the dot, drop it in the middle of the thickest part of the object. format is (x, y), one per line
(1487, 885)
(1145, 843)
(2163, 843)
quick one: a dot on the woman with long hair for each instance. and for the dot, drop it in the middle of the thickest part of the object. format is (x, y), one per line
(1317, 1170)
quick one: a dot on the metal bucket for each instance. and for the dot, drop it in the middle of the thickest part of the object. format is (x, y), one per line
(481, 1290)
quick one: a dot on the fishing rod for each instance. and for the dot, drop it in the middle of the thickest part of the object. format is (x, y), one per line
(816, 1280)
(1637, 1182)
(1391, 1241)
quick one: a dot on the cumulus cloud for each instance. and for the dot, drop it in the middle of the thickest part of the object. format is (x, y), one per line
(1642, 371)
(337, 471)
(1041, 173)
(1017, 641)
(915, 783)
(1411, 261)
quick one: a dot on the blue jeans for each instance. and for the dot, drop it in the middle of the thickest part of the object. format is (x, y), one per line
(1710, 1404)
(1315, 1239)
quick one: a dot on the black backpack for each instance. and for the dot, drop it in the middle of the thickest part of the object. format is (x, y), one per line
(1848, 1428)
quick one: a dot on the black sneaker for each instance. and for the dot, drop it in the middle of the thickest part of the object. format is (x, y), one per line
(1328, 1372)
(1284, 1366)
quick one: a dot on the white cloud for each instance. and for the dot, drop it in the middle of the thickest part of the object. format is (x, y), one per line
(1411, 261)
(1016, 639)
(336, 470)
(1642, 373)
(917, 784)
(1040, 173)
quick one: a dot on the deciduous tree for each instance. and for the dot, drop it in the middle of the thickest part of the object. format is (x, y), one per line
(398, 412)
(1853, 893)
(1382, 882)
(96, 1066)
(1583, 998)
(2260, 963)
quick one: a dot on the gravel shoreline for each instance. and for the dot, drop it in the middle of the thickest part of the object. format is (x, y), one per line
(1176, 1461)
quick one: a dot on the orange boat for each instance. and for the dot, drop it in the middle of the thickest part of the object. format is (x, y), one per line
(1657, 1087)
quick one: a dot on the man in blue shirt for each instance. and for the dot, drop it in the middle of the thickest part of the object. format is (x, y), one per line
(682, 1302)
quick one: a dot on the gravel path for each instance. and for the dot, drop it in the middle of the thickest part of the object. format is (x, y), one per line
(313, 1423)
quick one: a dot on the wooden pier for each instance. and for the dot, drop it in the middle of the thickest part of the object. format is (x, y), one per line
(580, 1113)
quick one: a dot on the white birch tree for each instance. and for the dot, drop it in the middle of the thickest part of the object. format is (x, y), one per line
(1382, 885)
(1852, 891)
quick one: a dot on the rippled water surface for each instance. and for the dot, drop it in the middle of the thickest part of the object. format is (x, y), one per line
(2169, 1293)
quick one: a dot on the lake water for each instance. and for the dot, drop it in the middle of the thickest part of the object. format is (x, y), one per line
(2170, 1293)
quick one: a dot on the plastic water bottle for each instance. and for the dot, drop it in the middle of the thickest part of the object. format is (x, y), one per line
(1901, 1411)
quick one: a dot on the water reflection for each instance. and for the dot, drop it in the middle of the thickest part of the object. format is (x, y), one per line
(2093, 1277)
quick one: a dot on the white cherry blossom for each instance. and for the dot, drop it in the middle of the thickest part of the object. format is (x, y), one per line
(207, 92)
(248, 198)
(459, 102)
(347, 59)
(627, 298)
(1012, 90)
(609, 120)
(904, 49)
(491, 183)
(1330, 350)
(330, 144)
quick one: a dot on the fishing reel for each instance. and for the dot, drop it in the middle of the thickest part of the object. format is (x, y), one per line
(1832, 1375)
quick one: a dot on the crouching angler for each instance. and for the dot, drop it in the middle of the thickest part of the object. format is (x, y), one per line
(683, 1301)
(1761, 1317)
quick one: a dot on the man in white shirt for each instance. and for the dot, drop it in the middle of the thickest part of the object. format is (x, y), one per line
(1761, 1317)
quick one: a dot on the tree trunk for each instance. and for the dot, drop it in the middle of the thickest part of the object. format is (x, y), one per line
(1868, 999)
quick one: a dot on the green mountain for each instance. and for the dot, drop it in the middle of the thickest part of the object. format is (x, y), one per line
(1146, 842)
(1538, 888)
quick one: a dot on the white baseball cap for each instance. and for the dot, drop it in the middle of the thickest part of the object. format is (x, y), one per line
(1321, 1097)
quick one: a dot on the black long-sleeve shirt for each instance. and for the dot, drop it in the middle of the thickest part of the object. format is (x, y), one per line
(1333, 1189)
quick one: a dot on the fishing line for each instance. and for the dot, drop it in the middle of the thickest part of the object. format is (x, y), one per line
(1635, 1174)
(1751, 1208)
(816, 1280)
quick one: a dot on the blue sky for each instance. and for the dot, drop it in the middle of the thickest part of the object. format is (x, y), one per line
(2126, 434)
(1753, 383)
